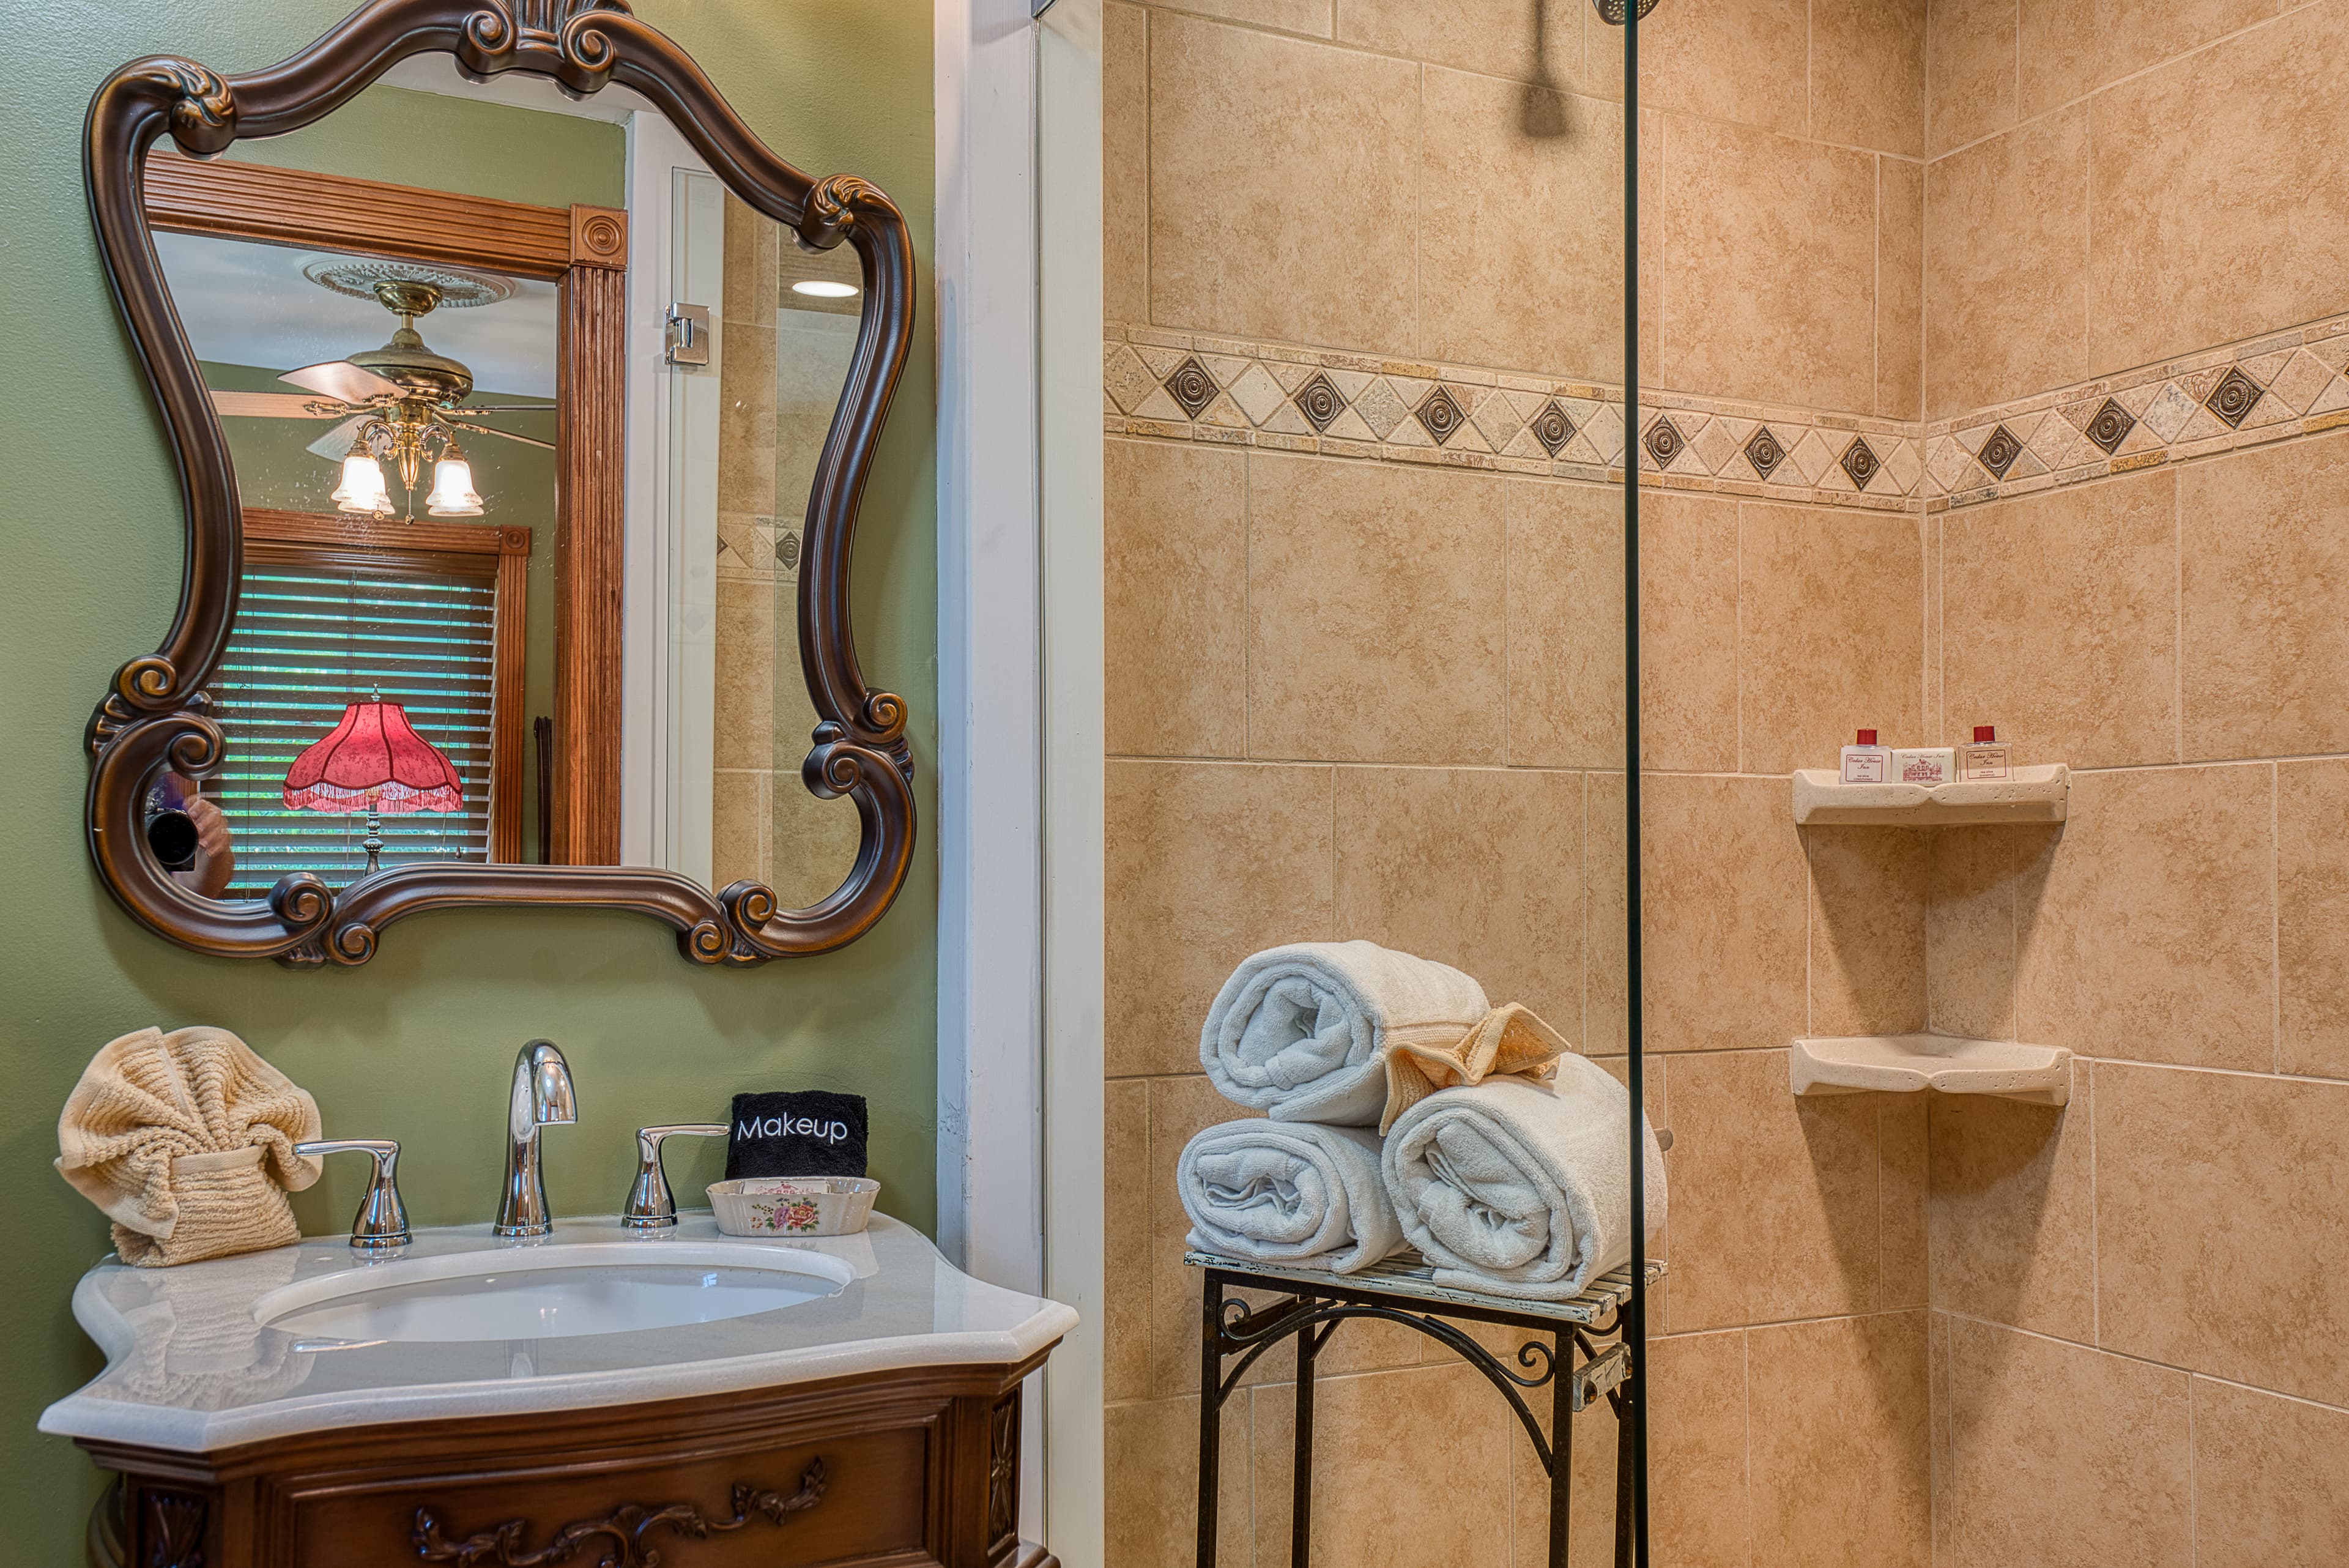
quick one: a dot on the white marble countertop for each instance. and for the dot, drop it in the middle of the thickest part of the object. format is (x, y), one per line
(190, 1368)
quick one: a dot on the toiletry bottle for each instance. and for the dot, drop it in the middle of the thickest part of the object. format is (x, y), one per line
(1866, 763)
(1927, 765)
(1986, 758)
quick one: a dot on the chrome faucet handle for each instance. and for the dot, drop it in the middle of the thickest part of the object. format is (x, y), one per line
(382, 1219)
(650, 1207)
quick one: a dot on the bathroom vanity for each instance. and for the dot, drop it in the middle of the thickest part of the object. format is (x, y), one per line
(599, 1396)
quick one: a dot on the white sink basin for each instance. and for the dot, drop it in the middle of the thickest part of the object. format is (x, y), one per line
(549, 1292)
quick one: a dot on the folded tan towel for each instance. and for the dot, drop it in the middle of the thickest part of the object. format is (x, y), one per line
(186, 1141)
(1511, 1041)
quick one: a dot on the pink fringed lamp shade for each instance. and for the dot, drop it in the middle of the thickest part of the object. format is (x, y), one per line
(374, 760)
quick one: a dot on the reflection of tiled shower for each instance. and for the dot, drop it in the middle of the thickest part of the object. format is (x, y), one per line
(765, 825)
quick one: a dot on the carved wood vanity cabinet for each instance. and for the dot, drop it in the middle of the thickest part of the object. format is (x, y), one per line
(903, 1468)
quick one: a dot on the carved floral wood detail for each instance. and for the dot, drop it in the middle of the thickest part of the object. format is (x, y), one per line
(619, 1537)
(153, 715)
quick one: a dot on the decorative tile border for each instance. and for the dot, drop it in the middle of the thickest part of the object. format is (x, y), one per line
(1190, 388)
(2289, 384)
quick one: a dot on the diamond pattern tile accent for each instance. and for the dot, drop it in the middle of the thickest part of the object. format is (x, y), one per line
(1861, 461)
(2234, 397)
(1553, 428)
(1440, 415)
(1320, 401)
(1664, 440)
(1764, 452)
(2110, 425)
(1191, 386)
(1999, 451)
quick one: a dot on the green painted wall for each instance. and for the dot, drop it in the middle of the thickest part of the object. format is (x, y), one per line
(417, 1044)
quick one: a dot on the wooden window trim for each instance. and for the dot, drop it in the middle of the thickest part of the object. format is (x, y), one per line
(584, 250)
(313, 538)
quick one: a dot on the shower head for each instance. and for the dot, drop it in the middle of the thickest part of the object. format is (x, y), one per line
(1612, 12)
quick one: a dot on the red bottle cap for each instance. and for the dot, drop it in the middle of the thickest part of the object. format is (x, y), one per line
(1867, 737)
(1985, 733)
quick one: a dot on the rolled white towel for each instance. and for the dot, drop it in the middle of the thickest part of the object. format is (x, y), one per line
(1298, 1032)
(1289, 1192)
(1518, 1187)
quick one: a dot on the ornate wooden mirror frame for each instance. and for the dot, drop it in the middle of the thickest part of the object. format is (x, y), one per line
(153, 715)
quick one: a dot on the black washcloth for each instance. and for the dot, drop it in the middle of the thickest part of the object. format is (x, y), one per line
(802, 1132)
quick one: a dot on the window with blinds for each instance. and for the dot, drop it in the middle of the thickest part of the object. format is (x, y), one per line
(317, 629)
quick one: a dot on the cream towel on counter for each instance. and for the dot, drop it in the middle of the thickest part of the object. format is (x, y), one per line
(1289, 1192)
(1522, 1188)
(1300, 1032)
(186, 1141)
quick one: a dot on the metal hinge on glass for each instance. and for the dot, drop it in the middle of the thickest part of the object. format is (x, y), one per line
(687, 341)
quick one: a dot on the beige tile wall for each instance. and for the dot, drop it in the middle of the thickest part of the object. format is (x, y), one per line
(2135, 1336)
(1351, 698)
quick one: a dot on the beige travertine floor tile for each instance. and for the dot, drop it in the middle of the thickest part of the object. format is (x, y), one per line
(1866, 929)
(1830, 639)
(1969, 65)
(1426, 1491)
(1740, 60)
(2062, 1456)
(1174, 520)
(2071, 48)
(2263, 545)
(1841, 1468)
(1125, 161)
(1207, 863)
(1566, 631)
(2223, 1216)
(2269, 1484)
(1376, 620)
(1125, 1242)
(1722, 903)
(1769, 253)
(2059, 615)
(1903, 1186)
(2145, 930)
(1900, 288)
(2311, 913)
(1773, 1198)
(2205, 239)
(1969, 927)
(1479, 868)
(1698, 1489)
(1497, 290)
(1151, 1461)
(742, 717)
(1867, 74)
(1283, 192)
(2012, 1221)
(2006, 255)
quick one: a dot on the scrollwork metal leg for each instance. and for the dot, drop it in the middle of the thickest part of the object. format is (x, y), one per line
(1301, 1519)
(1211, 1404)
(1561, 1450)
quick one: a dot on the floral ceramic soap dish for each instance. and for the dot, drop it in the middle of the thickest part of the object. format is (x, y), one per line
(793, 1205)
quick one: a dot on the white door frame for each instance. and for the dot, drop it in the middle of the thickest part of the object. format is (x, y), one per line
(1020, 671)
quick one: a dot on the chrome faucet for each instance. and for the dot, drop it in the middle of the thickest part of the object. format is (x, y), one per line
(541, 1097)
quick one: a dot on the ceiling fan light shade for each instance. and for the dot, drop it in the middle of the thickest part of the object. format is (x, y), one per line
(453, 494)
(362, 489)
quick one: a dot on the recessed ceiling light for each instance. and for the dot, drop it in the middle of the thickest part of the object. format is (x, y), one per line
(823, 290)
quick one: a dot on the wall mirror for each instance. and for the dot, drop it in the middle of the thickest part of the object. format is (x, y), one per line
(522, 400)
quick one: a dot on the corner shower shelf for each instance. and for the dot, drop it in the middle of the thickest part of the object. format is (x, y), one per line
(2033, 795)
(1904, 1063)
